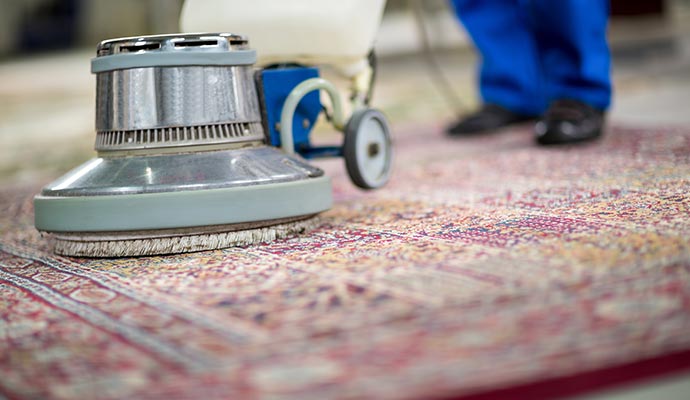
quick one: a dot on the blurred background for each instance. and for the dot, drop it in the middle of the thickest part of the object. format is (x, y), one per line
(47, 92)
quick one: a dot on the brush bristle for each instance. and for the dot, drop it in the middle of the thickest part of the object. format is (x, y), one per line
(183, 243)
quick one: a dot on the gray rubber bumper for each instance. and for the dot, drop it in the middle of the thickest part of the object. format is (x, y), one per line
(183, 209)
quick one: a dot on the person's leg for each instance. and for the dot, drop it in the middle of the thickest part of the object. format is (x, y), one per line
(571, 41)
(509, 72)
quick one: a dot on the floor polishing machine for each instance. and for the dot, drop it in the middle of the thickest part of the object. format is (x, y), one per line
(202, 144)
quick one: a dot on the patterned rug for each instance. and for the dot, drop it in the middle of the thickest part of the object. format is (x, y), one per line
(488, 266)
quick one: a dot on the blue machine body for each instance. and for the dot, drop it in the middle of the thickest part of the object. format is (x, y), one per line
(276, 85)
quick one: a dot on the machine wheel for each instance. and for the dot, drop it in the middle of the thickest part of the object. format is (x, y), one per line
(367, 149)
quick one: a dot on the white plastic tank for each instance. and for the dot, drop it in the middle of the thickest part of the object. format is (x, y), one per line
(335, 32)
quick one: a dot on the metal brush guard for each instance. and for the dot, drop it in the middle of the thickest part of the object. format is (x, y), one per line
(179, 116)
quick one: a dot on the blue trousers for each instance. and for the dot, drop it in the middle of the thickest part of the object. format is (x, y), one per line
(537, 51)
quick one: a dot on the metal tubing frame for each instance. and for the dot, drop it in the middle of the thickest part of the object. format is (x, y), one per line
(293, 99)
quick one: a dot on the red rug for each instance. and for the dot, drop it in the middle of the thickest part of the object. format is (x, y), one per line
(489, 267)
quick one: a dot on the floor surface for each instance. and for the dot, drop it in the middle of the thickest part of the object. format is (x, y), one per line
(487, 263)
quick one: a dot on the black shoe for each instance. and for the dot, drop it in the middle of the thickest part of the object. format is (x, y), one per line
(569, 121)
(490, 117)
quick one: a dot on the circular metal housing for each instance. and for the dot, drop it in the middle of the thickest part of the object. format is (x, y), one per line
(182, 153)
(175, 90)
(104, 176)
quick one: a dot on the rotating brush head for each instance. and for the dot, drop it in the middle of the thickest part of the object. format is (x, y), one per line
(183, 163)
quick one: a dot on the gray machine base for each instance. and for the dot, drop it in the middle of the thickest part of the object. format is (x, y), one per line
(183, 209)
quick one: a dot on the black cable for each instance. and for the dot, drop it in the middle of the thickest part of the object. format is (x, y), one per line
(373, 63)
(442, 83)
